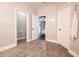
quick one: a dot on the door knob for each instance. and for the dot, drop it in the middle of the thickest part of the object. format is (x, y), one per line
(32, 28)
(59, 29)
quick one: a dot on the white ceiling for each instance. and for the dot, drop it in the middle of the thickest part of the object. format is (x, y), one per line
(41, 4)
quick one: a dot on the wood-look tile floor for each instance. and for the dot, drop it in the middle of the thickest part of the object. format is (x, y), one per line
(36, 48)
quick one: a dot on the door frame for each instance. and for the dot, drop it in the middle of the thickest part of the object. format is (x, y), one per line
(27, 15)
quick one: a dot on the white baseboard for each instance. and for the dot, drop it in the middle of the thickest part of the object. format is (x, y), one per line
(34, 39)
(7, 47)
(51, 40)
(29, 40)
(21, 38)
(73, 53)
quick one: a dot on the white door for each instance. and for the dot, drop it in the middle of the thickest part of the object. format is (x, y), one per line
(35, 27)
(63, 26)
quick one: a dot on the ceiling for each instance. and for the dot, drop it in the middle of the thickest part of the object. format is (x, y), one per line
(42, 4)
(39, 4)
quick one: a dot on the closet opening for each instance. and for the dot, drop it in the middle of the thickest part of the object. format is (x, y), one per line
(42, 27)
(21, 18)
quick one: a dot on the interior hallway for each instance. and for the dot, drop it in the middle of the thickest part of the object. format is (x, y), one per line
(36, 48)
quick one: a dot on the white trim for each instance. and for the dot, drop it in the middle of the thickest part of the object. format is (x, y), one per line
(29, 40)
(73, 53)
(34, 39)
(21, 38)
(7, 47)
(27, 27)
(15, 26)
(67, 4)
(51, 40)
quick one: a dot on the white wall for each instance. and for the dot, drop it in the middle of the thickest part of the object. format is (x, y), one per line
(8, 22)
(7, 25)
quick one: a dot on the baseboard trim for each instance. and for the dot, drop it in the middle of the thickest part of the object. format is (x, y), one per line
(52, 40)
(69, 50)
(21, 38)
(34, 39)
(7, 47)
(29, 40)
(73, 53)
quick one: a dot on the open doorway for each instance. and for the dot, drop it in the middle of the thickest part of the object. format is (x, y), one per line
(42, 27)
(21, 27)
